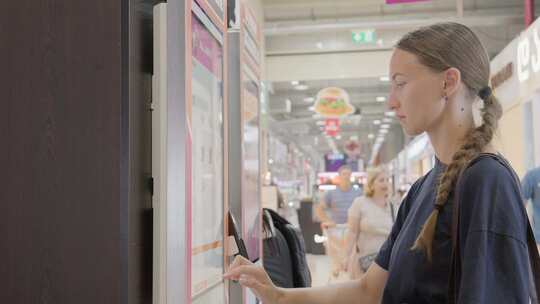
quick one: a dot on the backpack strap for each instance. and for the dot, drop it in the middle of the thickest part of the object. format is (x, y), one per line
(455, 267)
(455, 261)
(392, 212)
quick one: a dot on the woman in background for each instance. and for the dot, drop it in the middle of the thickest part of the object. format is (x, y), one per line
(369, 223)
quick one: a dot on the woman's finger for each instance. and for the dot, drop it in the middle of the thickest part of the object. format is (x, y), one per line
(237, 262)
(251, 283)
(250, 270)
(240, 260)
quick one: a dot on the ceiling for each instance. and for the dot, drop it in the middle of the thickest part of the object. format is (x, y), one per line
(302, 28)
(304, 126)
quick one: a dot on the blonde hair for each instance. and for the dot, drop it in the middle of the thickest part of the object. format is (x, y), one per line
(440, 47)
(372, 175)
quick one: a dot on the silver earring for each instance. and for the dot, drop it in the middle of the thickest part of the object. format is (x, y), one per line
(444, 93)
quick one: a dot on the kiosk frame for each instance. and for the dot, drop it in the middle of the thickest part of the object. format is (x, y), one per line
(172, 142)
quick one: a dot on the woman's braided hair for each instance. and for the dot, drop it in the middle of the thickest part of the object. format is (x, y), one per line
(440, 47)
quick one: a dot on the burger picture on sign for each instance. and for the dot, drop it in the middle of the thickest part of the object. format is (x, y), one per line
(333, 102)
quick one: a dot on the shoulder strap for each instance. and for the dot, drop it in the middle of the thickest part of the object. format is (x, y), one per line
(455, 267)
(455, 261)
(393, 212)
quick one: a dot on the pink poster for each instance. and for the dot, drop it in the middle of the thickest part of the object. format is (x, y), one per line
(403, 1)
(207, 162)
(206, 49)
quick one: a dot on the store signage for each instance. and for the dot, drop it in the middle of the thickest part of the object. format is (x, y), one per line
(363, 36)
(528, 54)
(333, 102)
(333, 161)
(529, 12)
(352, 148)
(331, 127)
(503, 75)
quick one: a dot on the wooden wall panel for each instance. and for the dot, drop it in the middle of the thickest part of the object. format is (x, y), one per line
(74, 153)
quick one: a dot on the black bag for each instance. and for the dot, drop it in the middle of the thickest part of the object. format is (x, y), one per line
(277, 259)
(297, 248)
(366, 261)
(455, 268)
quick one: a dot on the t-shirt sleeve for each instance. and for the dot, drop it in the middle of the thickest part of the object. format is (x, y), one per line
(494, 257)
(383, 258)
(526, 187)
(494, 269)
(356, 208)
(327, 199)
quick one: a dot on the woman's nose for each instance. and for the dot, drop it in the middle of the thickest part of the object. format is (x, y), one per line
(393, 102)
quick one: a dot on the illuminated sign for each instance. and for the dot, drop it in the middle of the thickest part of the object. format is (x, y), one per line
(528, 54)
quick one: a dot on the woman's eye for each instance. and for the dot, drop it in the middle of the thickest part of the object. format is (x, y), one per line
(399, 85)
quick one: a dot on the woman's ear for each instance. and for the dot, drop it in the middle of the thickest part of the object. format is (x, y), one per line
(452, 79)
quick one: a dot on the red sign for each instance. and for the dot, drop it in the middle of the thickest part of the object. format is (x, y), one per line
(403, 1)
(529, 12)
(352, 148)
(331, 126)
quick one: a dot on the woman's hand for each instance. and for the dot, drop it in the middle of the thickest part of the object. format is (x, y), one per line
(326, 225)
(255, 278)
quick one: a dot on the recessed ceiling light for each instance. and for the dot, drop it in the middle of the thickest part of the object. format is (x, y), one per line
(384, 78)
(295, 82)
(371, 136)
(381, 99)
(387, 120)
(385, 126)
(301, 87)
(311, 108)
(354, 137)
(376, 122)
(309, 99)
(383, 131)
(390, 113)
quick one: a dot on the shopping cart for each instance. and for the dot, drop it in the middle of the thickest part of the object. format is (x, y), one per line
(334, 244)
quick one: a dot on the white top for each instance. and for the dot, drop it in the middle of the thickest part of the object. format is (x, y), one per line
(372, 227)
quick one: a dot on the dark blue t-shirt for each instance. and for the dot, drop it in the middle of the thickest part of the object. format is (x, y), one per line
(493, 241)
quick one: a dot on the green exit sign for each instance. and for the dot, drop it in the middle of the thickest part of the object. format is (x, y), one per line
(363, 36)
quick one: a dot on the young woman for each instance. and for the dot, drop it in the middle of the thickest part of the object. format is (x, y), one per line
(369, 223)
(437, 73)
